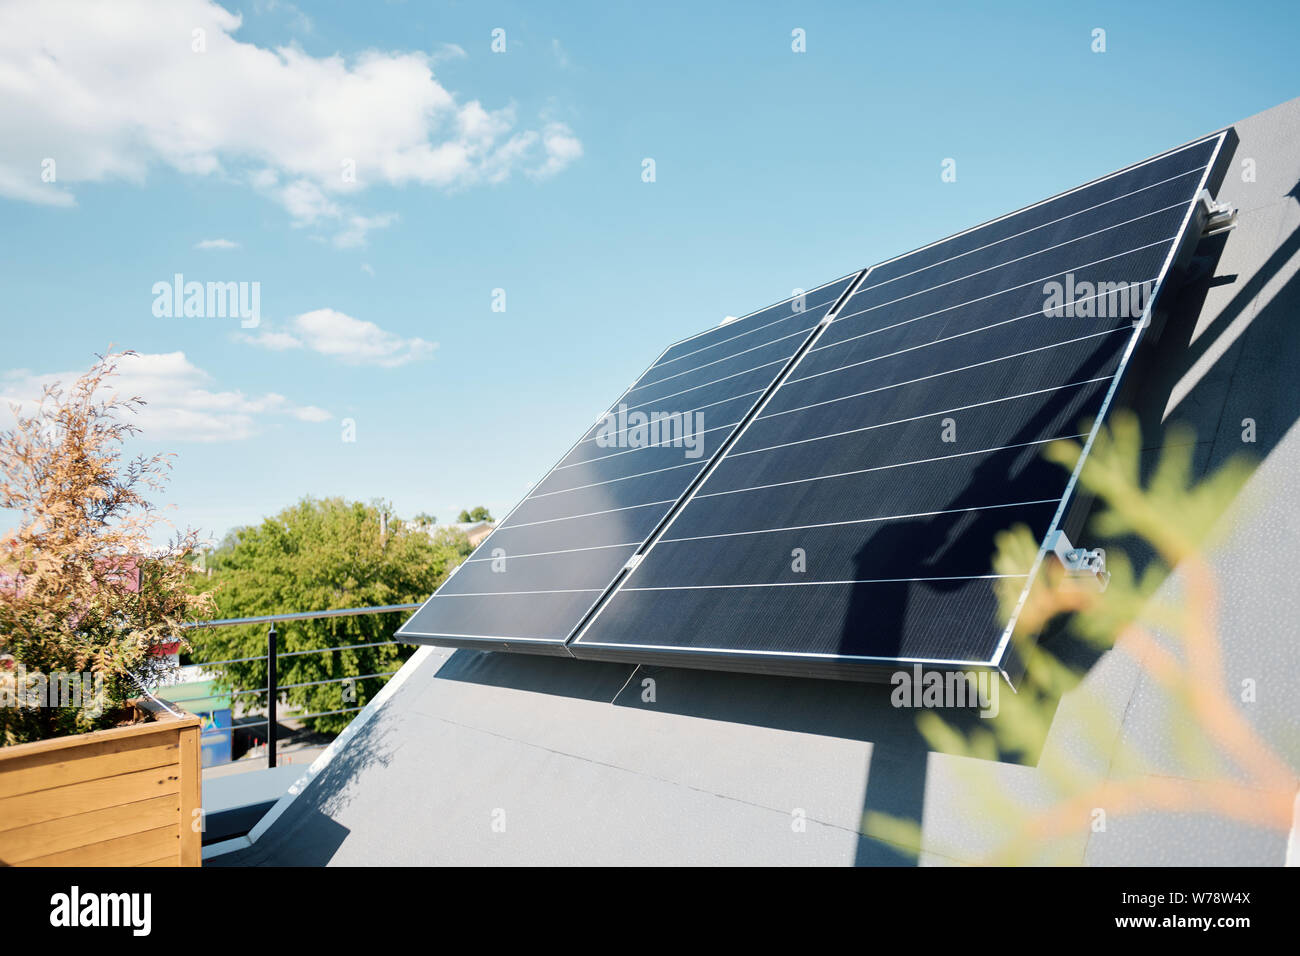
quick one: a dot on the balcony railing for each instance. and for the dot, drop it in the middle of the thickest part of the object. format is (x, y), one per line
(271, 658)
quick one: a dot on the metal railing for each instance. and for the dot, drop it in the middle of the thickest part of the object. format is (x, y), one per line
(272, 656)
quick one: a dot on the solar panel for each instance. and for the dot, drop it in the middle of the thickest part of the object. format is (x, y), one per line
(849, 528)
(536, 576)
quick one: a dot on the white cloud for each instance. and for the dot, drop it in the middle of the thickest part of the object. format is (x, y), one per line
(354, 232)
(561, 148)
(17, 184)
(306, 202)
(297, 20)
(368, 269)
(310, 413)
(110, 90)
(448, 51)
(353, 341)
(183, 404)
(275, 341)
(216, 244)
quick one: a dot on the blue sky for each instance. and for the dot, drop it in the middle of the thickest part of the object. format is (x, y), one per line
(522, 171)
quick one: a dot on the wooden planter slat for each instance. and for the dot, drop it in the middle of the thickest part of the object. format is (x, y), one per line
(129, 796)
(128, 850)
(191, 822)
(29, 774)
(67, 801)
(53, 836)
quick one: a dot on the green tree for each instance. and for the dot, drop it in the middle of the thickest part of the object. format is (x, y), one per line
(475, 514)
(321, 554)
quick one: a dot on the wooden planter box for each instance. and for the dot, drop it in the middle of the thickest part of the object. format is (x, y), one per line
(121, 797)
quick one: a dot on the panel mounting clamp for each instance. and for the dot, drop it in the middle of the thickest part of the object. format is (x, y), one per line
(1079, 562)
(1215, 216)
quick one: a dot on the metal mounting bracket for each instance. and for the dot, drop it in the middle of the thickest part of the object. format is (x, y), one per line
(1080, 562)
(632, 562)
(1215, 216)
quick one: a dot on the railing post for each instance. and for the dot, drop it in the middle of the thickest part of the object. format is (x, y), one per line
(272, 692)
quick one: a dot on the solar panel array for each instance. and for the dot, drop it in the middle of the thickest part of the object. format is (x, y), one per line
(842, 522)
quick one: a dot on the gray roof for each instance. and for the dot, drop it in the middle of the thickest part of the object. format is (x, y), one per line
(721, 768)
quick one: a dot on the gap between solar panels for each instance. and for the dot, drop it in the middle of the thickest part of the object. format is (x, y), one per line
(861, 453)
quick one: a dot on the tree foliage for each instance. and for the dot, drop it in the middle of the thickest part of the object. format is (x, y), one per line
(474, 514)
(82, 588)
(321, 554)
